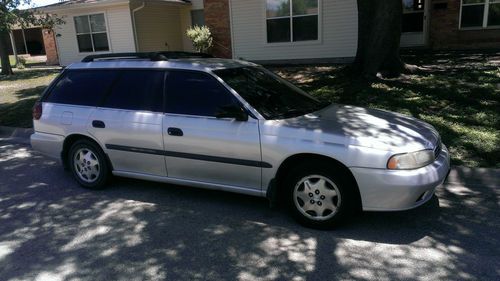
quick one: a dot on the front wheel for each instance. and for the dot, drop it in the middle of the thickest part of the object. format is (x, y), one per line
(317, 197)
(88, 164)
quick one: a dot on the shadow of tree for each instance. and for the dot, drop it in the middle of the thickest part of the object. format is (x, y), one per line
(18, 114)
(457, 93)
(19, 93)
(137, 230)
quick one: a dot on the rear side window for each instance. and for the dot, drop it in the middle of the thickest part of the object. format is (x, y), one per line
(81, 87)
(137, 90)
(195, 93)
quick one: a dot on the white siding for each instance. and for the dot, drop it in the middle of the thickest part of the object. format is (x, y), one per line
(119, 27)
(159, 28)
(337, 32)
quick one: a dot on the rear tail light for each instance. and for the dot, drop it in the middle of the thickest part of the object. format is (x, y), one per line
(37, 111)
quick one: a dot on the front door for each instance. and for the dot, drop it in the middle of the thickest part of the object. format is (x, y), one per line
(200, 147)
(129, 122)
(413, 29)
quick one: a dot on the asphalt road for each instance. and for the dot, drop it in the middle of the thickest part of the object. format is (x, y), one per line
(51, 229)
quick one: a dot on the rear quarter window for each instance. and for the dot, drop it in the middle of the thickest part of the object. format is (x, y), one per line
(81, 87)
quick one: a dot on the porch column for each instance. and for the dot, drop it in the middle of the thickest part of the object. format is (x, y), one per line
(24, 40)
(50, 46)
(14, 49)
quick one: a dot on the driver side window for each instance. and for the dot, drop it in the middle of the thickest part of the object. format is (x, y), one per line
(195, 93)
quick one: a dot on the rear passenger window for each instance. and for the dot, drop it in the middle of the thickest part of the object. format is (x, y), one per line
(81, 87)
(195, 93)
(137, 90)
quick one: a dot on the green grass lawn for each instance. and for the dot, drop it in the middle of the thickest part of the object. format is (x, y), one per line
(26, 60)
(19, 92)
(458, 94)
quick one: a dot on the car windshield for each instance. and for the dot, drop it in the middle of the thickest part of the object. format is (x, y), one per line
(270, 95)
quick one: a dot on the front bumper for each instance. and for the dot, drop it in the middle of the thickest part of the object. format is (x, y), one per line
(396, 190)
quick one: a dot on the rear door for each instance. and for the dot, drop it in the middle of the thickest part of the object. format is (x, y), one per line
(129, 122)
(201, 147)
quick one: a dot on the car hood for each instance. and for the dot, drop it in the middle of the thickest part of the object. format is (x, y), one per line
(350, 125)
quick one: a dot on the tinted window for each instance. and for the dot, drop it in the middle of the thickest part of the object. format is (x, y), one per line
(81, 87)
(137, 90)
(195, 93)
(270, 95)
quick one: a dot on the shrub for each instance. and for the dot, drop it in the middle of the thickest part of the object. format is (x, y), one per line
(201, 38)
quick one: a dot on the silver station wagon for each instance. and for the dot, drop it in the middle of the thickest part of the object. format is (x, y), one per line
(229, 125)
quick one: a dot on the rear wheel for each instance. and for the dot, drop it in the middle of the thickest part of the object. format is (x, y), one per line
(317, 196)
(88, 164)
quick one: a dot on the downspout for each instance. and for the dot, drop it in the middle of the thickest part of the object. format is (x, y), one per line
(133, 24)
(231, 29)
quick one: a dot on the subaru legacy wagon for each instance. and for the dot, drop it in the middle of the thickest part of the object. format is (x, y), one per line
(234, 126)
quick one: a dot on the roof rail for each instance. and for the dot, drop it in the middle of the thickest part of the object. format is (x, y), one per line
(153, 56)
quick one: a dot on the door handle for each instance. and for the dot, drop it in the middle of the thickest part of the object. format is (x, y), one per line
(175, 132)
(98, 124)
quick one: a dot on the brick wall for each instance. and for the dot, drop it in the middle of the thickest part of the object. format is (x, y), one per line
(444, 32)
(50, 47)
(217, 19)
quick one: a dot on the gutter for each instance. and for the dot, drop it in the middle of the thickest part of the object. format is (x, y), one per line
(55, 7)
(133, 24)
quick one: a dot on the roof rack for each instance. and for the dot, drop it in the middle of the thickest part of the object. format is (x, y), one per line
(153, 56)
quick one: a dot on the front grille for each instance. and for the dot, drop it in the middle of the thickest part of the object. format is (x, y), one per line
(437, 150)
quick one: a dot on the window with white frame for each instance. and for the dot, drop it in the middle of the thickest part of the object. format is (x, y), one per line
(91, 33)
(480, 13)
(291, 20)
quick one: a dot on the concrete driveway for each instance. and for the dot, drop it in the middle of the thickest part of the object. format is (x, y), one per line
(51, 229)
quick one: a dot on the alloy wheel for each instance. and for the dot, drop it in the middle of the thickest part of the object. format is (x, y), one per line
(86, 165)
(317, 197)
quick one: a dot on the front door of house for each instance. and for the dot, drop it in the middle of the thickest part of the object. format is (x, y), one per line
(413, 30)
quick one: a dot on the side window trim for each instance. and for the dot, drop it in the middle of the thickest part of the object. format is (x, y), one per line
(236, 100)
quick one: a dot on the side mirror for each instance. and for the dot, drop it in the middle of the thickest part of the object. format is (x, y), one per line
(232, 111)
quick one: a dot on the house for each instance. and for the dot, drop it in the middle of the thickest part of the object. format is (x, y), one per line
(112, 26)
(263, 30)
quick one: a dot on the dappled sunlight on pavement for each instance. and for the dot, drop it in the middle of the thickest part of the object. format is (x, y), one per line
(51, 229)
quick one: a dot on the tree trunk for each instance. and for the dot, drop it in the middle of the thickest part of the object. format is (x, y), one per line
(4, 53)
(379, 34)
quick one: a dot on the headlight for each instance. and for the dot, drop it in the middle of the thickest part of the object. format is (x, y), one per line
(411, 160)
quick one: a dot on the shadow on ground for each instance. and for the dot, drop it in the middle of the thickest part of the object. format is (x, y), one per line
(136, 230)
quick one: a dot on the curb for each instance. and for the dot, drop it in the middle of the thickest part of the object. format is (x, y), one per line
(17, 135)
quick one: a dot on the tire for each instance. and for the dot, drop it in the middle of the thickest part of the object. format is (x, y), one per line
(317, 196)
(88, 164)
